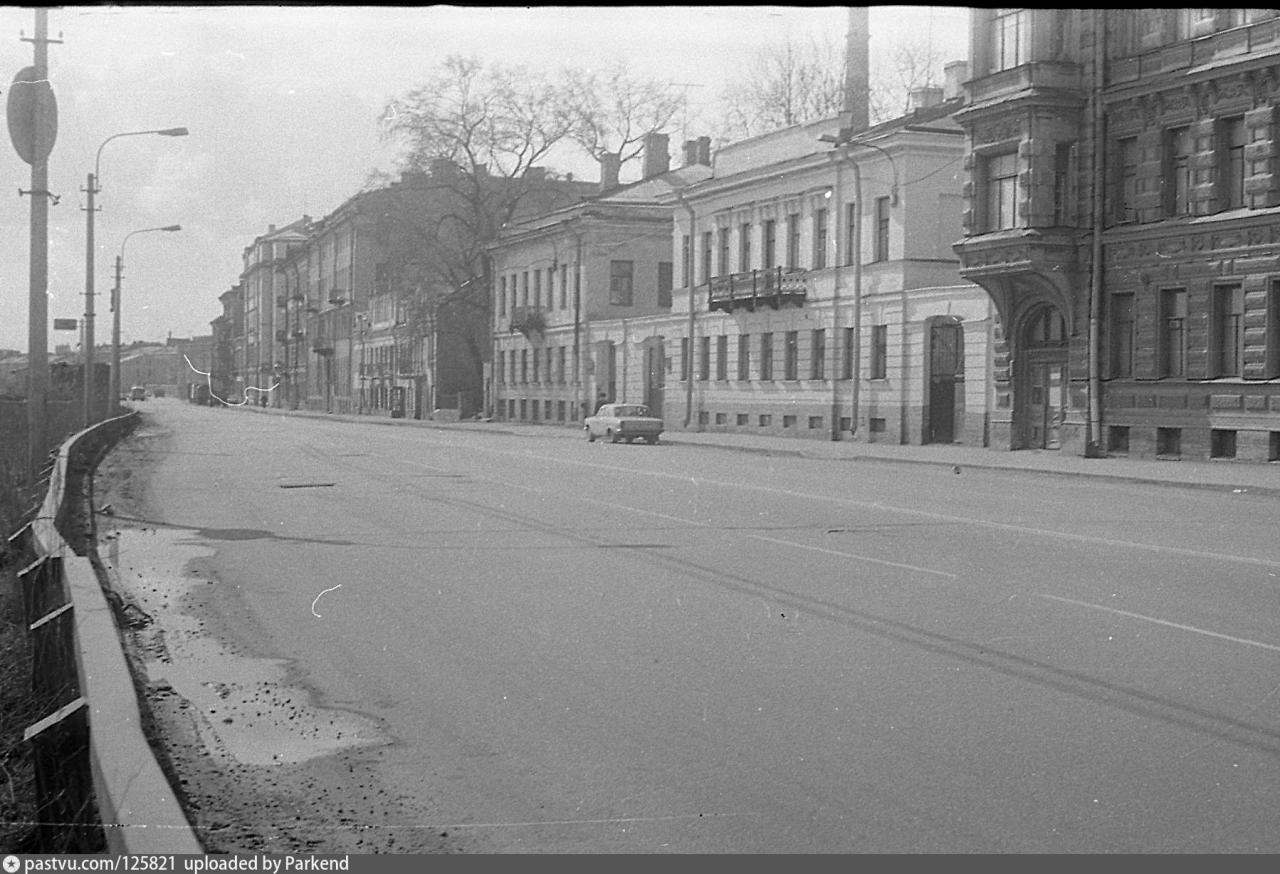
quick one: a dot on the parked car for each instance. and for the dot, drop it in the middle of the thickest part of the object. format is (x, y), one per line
(137, 393)
(623, 422)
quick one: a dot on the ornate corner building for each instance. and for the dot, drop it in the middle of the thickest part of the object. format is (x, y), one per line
(1121, 211)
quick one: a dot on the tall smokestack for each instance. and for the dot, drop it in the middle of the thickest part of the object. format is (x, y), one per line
(857, 76)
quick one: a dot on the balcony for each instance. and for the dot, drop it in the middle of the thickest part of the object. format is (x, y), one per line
(528, 321)
(753, 288)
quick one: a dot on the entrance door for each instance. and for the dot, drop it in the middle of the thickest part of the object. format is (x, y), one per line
(945, 370)
(1040, 401)
(1046, 403)
(654, 378)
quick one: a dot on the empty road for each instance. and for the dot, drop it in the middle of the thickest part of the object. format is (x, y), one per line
(506, 639)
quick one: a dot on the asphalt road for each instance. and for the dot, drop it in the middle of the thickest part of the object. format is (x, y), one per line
(513, 640)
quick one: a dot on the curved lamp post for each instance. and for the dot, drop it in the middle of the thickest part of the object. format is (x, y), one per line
(115, 310)
(90, 190)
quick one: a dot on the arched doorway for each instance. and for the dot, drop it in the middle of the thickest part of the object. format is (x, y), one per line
(1040, 394)
(945, 386)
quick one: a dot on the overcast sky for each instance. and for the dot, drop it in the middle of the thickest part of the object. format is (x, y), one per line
(282, 104)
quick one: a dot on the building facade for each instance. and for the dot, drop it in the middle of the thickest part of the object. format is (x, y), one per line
(824, 295)
(564, 282)
(1121, 212)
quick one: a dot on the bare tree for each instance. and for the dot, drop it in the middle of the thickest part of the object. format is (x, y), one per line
(612, 111)
(913, 63)
(479, 135)
(790, 83)
(786, 83)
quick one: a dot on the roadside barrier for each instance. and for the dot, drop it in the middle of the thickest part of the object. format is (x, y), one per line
(97, 780)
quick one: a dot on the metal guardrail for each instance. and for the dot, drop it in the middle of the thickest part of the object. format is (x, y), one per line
(95, 788)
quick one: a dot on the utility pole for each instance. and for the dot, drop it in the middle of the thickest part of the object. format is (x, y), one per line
(33, 127)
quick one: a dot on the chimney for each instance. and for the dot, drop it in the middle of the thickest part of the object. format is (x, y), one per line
(443, 170)
(955, 74)
(610, 164)
(656, 157)
(690, 153)
(704, 151)
(924, 97)
(857, 75)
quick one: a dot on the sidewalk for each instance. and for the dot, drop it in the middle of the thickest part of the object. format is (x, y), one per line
(1223, 474)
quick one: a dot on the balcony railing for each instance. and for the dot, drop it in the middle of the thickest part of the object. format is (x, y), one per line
(528, 320)
(752, 288)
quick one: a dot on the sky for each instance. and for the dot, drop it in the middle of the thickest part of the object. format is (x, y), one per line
(282, 104)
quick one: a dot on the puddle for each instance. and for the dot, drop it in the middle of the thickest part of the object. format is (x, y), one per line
(243, 706)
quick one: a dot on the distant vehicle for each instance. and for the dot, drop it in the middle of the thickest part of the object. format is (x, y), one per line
(623, 422)
(137, 393)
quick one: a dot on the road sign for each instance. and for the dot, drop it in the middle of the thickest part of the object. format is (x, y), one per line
(27, 95)
(66, 324)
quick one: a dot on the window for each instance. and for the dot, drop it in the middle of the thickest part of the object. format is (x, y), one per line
(1009, 38)
(1222, 443)
(850, 240)
(551, 281)
(1177, 194)
(818, 354)
(744, 357)
(620, 276)
(766, 356)
(793, 240)
(722, 357)
(882, 229)
(770, 253)
(1063, 184)
(706, 256)
(791, 355)
(1127, 184)
(524, 365)
(1231, 172)
(724, 252)
(564, 354)
(501, 368)
(704, 363)
(665, 279)
(1121, 335)
(564, 286)
(744, 247)
(502, 295)
(1228, 330)
(537, 289)
(1173, 332)
(846, 361)
(685, 363)
(819, 239)
(524, 288)
(535, 366)
(879, 351)
(686, 261)
(1002, 191)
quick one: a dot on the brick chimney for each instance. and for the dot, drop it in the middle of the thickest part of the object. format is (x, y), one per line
(704, 151)
(690, 153)
(857, 75)
(656, 156)
(610, 164)
(923, 97)
(955, 74)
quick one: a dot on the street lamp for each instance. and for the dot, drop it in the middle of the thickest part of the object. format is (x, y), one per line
(92, 189)
(115, 310)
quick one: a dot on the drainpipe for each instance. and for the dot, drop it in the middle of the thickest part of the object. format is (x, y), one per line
(854, 412)
(835, 293)
(577, 323)
(693, 269)
(1093, 448)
